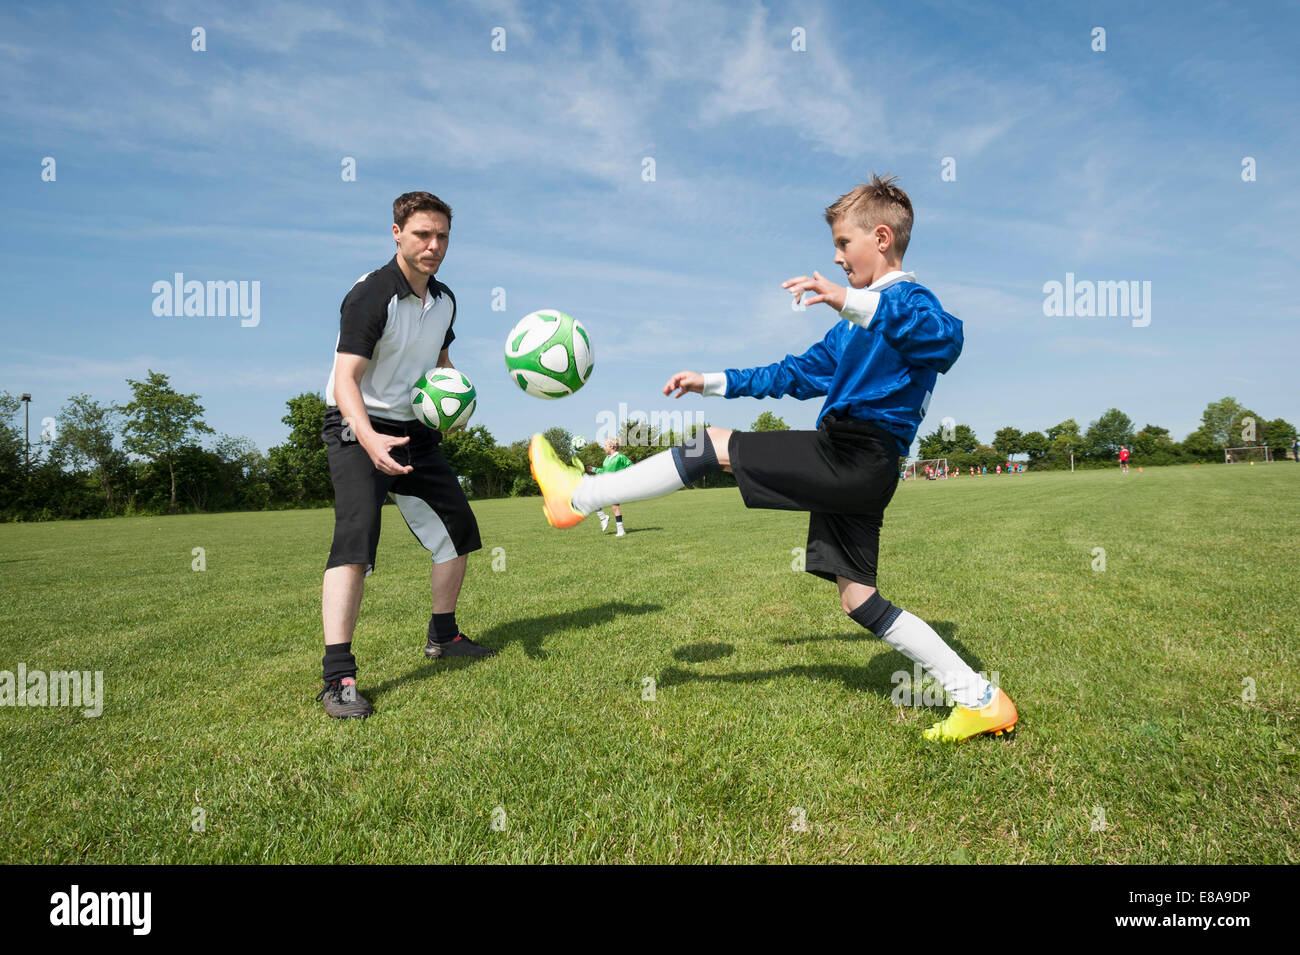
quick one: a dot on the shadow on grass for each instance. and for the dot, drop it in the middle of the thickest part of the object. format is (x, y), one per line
(700, 652)
(638, 530)
(877, 676)
(531, 632)
(943, 628)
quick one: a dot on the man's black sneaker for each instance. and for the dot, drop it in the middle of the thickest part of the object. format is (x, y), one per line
(342, 701)
(460, 646)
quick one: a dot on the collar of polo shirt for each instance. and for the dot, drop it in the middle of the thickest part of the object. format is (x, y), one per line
(401, 277)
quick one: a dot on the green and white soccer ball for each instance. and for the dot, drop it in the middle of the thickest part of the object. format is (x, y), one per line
(443, 398)
(577, 443)
(549, 354)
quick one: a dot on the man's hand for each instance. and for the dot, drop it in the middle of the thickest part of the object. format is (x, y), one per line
(378, 445)
(685, 381)
(825, 290)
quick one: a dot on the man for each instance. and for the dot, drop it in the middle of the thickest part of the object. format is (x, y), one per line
(394, 325)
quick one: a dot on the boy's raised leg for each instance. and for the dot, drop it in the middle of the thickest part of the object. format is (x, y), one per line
(568, 495)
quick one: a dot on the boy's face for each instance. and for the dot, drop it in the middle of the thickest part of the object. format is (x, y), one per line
(859, 253)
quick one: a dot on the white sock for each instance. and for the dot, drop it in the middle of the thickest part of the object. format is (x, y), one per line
(916, 640)
(653, 477)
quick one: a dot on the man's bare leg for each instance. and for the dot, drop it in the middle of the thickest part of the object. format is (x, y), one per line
(445, 638)
(445, 581)
(341, 601)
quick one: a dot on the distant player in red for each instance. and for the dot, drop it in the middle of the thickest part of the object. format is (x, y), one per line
(1123, 460)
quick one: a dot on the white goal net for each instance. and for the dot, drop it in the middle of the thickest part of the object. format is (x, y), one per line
(1262, 453)
(937, 468)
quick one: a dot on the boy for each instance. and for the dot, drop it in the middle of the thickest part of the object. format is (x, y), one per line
(877, 370)
(614, 461)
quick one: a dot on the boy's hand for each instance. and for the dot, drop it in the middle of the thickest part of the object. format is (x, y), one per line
(685, 381)
(826, 290)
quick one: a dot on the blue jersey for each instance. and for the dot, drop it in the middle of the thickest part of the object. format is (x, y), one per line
(882, 371)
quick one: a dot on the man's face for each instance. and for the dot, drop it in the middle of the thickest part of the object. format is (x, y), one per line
(422, 242)
(857, 251)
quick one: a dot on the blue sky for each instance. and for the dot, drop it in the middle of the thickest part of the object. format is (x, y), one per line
(1122, 165)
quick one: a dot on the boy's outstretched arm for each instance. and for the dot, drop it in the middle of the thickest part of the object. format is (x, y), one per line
(800, 376)
(685, 382)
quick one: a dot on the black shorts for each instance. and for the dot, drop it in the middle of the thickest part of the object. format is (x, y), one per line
(430, 498)
(845, 474)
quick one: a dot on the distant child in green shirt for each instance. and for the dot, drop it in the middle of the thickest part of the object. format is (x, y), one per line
(615, 460)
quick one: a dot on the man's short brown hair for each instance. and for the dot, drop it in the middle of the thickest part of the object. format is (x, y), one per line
(880, 202)
(409, 203)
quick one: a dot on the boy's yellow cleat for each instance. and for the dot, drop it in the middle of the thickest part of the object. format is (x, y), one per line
(557, 481)
(998, 718)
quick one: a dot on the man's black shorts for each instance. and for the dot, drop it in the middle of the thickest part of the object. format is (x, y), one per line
(430, 498)
(845, 474)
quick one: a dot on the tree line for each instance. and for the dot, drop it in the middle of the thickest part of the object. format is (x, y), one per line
(147, 456)
(1225, 423)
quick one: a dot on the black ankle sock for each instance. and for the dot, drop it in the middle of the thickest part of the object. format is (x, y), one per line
(876, 614)
(442, 627)
(618, 519)
(696, 457)
(338, 662)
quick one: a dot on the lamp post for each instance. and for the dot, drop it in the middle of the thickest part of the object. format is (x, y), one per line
(27, 443)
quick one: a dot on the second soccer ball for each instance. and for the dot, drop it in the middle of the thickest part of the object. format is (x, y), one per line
(549, 354)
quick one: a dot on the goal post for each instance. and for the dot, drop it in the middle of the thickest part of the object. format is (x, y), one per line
(917, 468)
(1261, 453)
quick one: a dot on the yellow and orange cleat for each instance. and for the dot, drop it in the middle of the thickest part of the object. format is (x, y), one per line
(998, 718)
(557, 481)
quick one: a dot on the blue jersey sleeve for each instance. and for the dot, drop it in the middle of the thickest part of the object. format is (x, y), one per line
(914, 324)
(800, 376)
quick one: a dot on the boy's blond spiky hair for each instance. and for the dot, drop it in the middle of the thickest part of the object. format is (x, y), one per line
(880, 202)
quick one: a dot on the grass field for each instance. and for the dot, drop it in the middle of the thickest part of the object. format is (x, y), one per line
(771, 736)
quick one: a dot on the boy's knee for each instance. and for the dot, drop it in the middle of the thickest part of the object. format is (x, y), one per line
(719, 437)
(853, 595)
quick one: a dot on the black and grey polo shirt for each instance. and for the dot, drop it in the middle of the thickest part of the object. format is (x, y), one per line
(383, 320)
